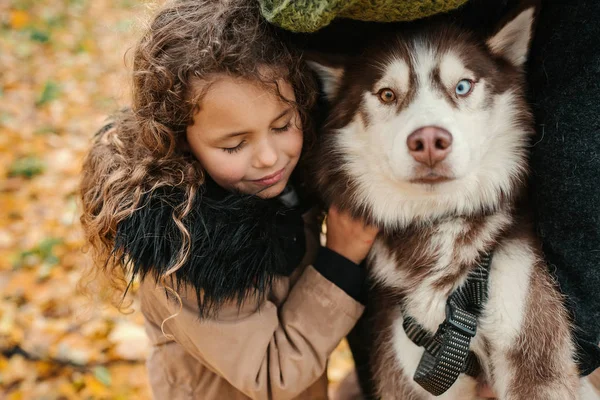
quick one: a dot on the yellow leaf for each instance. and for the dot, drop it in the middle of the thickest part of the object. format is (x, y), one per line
(44, 368)
(18, 19)
(18, 395)
(67, 390)
(340, 363)
(3, 363)
(95, 388)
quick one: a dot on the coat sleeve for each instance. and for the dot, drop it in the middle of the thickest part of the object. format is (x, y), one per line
(269, 353)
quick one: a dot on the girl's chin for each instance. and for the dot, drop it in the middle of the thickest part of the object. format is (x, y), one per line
(272, 191)
(265, 192)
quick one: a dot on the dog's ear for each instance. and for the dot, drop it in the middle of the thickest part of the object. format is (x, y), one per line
(513, 38)
(330, 70)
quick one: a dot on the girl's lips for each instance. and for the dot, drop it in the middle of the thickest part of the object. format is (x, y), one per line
(270, 179)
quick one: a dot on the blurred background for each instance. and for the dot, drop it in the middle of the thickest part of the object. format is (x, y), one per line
(63, 69)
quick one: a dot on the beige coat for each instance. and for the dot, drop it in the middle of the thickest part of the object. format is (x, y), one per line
(277, 352)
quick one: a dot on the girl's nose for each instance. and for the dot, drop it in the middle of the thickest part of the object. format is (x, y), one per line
(266, 156)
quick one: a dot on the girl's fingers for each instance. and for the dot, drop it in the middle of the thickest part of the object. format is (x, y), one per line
(486, 392)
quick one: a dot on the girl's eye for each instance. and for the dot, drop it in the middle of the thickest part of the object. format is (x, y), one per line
(386, 95)
(235, 149)
(464, 87)
(283, 128)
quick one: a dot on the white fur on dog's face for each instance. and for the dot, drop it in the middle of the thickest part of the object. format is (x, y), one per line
(489, 137)
(486, 149)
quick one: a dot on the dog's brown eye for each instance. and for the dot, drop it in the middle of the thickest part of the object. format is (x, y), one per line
(386, 95)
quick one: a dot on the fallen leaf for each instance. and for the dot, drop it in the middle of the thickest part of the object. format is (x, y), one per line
(94, 388)
(27, 167)
(50, 92)
(130, 340)
(40, 36)
(16, 370)
(18, 19)
(103, 375)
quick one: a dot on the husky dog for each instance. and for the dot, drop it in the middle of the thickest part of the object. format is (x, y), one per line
(427, 138)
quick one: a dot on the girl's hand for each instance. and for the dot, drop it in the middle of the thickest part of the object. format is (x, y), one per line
(485, 391)
(349, 237)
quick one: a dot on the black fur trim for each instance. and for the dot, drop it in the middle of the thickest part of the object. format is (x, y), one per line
(239, 243)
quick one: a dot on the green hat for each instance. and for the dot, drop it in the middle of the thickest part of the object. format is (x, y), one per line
(312, 15)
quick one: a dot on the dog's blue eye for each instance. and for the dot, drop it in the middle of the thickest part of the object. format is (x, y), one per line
(464, 87)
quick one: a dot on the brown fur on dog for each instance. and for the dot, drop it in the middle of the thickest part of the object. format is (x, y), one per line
(437, 218)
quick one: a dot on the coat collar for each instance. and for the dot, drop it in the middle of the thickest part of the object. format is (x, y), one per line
(239, 243)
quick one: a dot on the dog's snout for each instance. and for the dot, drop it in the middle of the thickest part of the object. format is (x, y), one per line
(429, 145)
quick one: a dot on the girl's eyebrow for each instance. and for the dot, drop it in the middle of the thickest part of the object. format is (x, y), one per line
(234, 134)
(287, 110)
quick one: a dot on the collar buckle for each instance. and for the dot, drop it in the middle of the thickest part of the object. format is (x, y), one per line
(461, 320)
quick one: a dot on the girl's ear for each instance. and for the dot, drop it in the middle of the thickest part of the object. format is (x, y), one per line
(329, 69)
(512, 39)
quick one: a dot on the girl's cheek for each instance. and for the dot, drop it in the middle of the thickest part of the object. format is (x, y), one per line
(293, 143)
(226, 169)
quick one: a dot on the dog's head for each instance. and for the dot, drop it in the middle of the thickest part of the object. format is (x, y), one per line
(427, 123)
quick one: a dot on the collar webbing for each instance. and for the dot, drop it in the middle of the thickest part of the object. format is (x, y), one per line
(447, 353)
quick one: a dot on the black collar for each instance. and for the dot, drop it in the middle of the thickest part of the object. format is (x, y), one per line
(447, 352)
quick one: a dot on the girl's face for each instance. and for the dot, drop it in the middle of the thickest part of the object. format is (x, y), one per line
(245, 137)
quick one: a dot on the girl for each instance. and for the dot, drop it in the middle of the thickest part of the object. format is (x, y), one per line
(195, 190)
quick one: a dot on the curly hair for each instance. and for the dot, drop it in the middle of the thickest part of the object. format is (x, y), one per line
(187, 42)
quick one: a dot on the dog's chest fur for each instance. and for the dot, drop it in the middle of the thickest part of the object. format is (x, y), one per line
(436, 257)
(416, 271)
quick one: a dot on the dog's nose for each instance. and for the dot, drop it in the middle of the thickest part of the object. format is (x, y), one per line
(429, 144)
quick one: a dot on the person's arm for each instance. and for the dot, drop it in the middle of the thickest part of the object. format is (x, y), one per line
(271, 353)
(565, 161)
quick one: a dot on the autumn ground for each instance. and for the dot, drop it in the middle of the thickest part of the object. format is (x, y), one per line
(62, 70)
